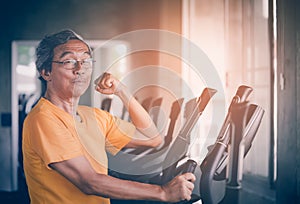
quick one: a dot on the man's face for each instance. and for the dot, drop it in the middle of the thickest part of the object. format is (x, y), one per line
(70, 82)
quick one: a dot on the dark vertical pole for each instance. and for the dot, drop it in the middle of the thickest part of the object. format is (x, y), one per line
(272, 153)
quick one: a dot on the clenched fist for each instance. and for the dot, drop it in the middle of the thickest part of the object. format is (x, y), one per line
(107, 84)
(180, 188)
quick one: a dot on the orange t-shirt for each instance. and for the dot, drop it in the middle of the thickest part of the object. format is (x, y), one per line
(52, 135)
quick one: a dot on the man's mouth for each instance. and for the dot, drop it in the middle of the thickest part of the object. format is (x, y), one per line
(79, 81)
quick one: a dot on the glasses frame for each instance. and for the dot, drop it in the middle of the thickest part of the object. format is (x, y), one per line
(75, 63)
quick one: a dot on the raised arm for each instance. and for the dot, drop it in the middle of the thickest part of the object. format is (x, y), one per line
(108, 84)
(79, 172)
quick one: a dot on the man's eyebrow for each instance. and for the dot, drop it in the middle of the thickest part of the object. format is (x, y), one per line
(68, 52)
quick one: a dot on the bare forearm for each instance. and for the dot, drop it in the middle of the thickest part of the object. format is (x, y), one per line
(139, 116)
(178, 189)
(79, 171)
(107, 186)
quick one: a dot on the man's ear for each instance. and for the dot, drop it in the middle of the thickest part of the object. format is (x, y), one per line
(46, 75)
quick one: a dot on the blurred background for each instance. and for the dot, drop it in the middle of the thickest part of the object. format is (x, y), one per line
(154, 42)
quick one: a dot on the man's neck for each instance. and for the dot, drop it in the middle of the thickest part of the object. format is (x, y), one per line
(67, 104)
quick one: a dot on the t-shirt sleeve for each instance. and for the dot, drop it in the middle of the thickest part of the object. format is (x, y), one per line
(51, 139)
(117, 132)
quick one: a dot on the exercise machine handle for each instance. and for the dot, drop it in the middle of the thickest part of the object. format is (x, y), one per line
(235, 167)
(189, 166)
(180, 146)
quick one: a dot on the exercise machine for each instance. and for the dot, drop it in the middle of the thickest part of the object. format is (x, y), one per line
(234, 141)
(219, 176)
(167, 158)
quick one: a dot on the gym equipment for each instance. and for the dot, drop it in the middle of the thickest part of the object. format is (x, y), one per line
(238, 132)
(236, 157)
(175, 152)
(216, 157)
(213, 167)
(180, 146)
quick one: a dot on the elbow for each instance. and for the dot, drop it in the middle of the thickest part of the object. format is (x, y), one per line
(157, 141)
(91, 191)
(88, 185)
(94, 186)
(87, 189)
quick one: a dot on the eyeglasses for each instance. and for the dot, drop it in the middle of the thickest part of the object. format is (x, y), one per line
(72, 64)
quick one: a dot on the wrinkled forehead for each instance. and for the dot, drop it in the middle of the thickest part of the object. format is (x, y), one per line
(72, 47)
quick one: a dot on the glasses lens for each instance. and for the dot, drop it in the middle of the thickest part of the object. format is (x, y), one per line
(70, 64)
(87, 63)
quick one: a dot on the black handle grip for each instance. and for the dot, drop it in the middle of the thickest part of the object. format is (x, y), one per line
(189, 166)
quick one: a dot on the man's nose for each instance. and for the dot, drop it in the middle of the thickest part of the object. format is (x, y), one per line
(78, 67)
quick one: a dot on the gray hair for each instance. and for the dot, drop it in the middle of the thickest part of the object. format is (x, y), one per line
(44, 51)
